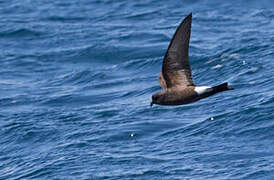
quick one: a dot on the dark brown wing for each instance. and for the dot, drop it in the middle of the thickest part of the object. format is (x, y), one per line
(176, 68)
(162, 81)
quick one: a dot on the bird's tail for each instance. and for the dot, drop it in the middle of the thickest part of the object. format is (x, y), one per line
(221, 87)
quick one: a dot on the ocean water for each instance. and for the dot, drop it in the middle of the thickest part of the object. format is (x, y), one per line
(77, 78)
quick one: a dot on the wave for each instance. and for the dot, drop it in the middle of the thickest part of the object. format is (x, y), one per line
(21, 33)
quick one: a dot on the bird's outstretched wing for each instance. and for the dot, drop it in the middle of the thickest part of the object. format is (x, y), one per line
(162, 81)
(176, 69)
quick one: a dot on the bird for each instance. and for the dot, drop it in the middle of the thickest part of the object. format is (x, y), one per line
(175, 77)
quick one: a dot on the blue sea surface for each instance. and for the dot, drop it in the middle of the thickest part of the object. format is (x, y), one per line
(76, 80)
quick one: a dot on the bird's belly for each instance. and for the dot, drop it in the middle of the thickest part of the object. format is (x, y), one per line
(180, 100)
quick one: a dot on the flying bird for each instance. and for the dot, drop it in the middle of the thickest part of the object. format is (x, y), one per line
(176, 77)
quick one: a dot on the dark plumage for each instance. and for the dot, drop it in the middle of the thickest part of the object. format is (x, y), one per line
(176, 78)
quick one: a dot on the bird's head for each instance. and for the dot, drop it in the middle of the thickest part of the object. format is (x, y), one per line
(157, 98)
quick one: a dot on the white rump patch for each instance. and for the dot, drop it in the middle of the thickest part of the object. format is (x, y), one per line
(202, 89)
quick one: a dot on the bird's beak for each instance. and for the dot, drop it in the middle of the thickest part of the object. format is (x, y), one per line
(151, 104)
